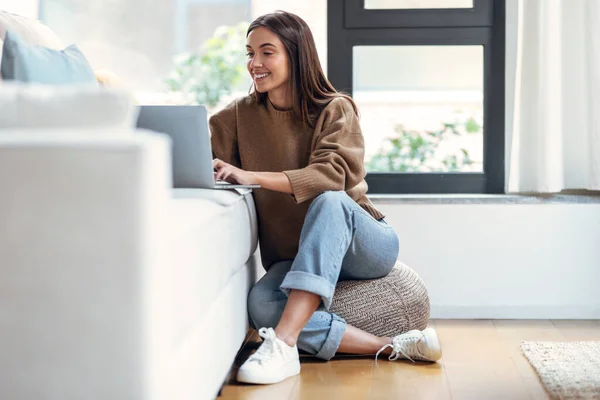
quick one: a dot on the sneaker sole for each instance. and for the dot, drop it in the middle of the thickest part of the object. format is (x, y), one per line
(433, 343)
(249, 377)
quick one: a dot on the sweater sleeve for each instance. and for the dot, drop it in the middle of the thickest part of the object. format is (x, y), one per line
(337, 157)
(223, 136)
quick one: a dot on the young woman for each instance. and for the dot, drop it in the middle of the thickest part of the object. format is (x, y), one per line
(300, 139)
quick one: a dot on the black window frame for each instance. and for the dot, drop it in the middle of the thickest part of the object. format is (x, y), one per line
(349, 24)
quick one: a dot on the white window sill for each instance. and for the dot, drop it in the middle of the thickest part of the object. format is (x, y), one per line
(578, 197)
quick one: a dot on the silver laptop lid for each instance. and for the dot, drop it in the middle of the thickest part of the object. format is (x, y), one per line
(187, 126)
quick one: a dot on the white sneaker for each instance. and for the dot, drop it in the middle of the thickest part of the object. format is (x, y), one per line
(273, 362)
(415, 345)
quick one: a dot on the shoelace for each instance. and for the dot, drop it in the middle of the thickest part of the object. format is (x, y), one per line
(401, 345)
(267, 348)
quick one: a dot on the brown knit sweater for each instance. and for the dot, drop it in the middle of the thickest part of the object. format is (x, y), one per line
(258, 137)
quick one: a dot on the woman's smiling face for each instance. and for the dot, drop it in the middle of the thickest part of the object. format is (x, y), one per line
(268, 61)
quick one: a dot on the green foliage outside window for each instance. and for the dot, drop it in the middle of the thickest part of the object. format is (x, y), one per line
(215, 70)
(418, 151)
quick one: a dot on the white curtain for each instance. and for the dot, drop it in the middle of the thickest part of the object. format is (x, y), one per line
(553, 113)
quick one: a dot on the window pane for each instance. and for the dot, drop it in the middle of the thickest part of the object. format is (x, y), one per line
(417, 4)
(174, 51)
(421, 107)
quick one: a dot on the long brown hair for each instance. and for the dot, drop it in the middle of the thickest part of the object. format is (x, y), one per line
(311, 91)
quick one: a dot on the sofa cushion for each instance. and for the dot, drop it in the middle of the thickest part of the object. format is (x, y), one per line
(215, 234)
(47, 106)
(33, 32)
(38, 64)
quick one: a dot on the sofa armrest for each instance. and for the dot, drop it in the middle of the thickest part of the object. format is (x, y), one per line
(85, 298)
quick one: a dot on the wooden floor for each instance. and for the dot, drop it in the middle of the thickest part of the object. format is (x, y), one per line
(481, 360)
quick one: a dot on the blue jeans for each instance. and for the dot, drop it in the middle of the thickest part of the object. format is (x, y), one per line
(339, 241)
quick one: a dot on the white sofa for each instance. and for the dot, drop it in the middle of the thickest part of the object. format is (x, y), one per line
(112, 284)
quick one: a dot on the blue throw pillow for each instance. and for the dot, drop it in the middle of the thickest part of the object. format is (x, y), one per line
(36, 64)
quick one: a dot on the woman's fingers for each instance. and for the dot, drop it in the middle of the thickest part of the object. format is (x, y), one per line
(219, 174)
(227, 175)
(220, 164)
(217, 164)
(224, 173)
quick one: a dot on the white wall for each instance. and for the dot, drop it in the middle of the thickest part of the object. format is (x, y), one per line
(503, 260)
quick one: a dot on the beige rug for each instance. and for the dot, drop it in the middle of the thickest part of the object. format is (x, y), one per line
(568, 370)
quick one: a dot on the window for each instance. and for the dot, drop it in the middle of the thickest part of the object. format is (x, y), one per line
(427, 114)
(429, 84)
(174, 51)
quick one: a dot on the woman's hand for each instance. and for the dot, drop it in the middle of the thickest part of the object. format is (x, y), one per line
(231, 174)
(277, 181)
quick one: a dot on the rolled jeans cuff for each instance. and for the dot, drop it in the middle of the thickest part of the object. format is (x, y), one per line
(310, 283)
(334, 338)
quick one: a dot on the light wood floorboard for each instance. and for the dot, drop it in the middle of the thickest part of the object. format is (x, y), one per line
(481, 360)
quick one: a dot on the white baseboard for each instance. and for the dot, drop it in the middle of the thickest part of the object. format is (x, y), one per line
(516, 312)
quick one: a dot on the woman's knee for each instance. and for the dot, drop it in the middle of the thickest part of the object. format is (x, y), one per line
(329, 200)
(330, 196)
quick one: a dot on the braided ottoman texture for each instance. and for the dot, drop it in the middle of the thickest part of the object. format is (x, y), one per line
(387, 306)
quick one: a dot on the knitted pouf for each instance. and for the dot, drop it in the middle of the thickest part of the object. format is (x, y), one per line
(387, 306)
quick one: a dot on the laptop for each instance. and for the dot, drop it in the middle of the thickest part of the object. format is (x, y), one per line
(187, 126)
